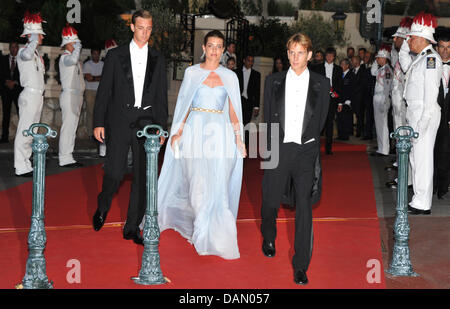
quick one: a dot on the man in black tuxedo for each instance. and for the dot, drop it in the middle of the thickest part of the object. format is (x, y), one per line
(250, 86)
(9, 87)
(358, 94)
(345, 115)
(442, 144)
(295, 110)
(132, 94)
(334, 74)
(368, 89)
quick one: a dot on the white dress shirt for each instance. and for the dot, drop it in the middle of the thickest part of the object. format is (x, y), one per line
(295, 103)
(329, 72)
(246, 73)
(138, 67)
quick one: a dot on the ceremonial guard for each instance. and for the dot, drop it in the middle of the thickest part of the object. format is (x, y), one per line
(423, 113)
(398, 103)
(31, 99)
(71, 97)
(381, 98)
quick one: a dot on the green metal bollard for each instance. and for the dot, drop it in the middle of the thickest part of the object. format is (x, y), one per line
(150, 273)
(36, 275)
(401, 264)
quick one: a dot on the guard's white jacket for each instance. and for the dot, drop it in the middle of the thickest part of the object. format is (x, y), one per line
(31, 66)
(398, 86)
(381, 104)
(422, 81)
(70, 70)
(71, 102)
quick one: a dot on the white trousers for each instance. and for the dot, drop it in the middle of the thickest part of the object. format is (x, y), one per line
(380, 113)
(70, 103)
(421, 160)
(30, 108)
(398, 109)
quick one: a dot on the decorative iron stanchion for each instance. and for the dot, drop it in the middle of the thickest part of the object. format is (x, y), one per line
(36, 275)
(401, 264)
(150, 273)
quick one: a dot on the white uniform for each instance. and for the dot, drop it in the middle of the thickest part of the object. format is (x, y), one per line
(70, 101)
(423, 114)
(381, 104)
(32, 70)
(398, 85)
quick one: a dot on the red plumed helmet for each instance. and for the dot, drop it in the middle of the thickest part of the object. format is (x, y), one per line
(69, 35)
(110, 44)
(423, 26)
(406, 22)
(32, 24)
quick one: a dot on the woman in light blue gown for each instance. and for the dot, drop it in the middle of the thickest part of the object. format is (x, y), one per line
(201, 177)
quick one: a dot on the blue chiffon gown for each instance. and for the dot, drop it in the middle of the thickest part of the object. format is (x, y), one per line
(199, 205)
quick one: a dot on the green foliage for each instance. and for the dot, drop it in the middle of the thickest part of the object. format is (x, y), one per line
(322, 32)
(168, 36)
(281, 8)
(270, 37)
(251, 7)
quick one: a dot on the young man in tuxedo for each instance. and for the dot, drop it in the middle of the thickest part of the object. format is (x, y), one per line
(334, 74)
(132, 94)
(250, 87)
(358, 94)
(295, 110)
(442, 145)
(9, 87)
(345, 115)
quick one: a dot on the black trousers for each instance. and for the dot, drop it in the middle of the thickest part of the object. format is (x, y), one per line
(344, 121)
(369, 118)
(359, 109)
(298, 162)
(8, 99)
(118, 141)
(329, 125)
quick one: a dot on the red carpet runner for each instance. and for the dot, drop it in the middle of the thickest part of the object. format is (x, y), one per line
(346, 235)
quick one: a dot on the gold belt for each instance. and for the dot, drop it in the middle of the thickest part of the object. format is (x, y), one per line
(198, 109)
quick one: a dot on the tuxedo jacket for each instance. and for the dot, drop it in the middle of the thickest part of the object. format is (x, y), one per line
(358, 88)
(347, 87)
(5, 74)
(115, 93)
(315, 115)
(336, 78)
(442, 144)
(253, 89)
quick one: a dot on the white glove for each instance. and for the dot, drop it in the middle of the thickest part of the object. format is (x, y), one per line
(77, 46)
(34, 37)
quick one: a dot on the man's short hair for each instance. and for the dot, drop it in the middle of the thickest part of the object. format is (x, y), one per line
(140, 13)
(346, 61)
(348, 48)
(330, 50)
(444, 36)
(231, 59)
(301, 39)
(96, 48)
(362, 48)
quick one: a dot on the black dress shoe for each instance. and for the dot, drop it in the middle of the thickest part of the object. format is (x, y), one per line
(366, 138)
(328, 152)
(4, 141)
(99, 219)
(392, 184)
(300, 277)
(136, 236)
(415, 211)
(268, 248)
(26, 175)
(72, 165)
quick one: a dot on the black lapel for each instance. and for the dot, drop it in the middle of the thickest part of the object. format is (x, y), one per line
(311, 101)
(280, 93)
(125, 61)
(151, 63)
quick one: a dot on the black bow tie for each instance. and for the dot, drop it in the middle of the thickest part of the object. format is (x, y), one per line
(446, 63)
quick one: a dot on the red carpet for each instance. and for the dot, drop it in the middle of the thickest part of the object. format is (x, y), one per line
(346, 235)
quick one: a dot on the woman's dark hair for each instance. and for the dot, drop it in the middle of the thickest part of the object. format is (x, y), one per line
(213, 34)
(274, 68)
